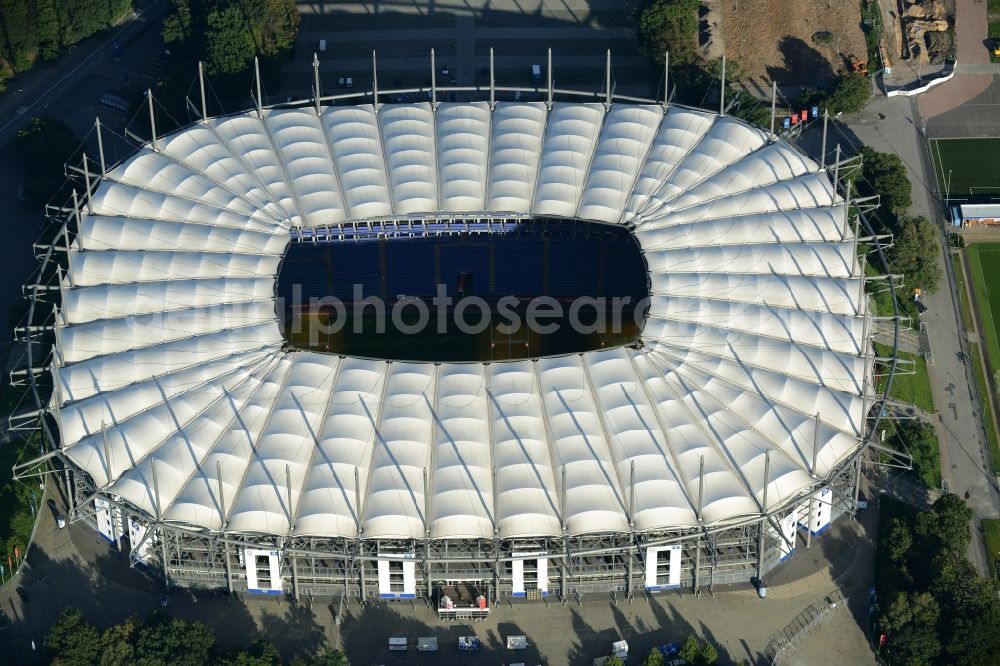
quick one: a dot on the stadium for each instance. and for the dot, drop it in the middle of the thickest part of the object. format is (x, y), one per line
(697, 450)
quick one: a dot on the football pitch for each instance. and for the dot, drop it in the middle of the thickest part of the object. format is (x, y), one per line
(967, 168)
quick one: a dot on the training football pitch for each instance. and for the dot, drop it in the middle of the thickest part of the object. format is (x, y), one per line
(984, 262)
(967, 168)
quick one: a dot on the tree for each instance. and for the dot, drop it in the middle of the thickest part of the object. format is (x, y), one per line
(915, 253)
(654, 658)
(118, 643)
(920, 440)
(709, 655)
(331, 657)
(670, 25)
(261, 653)
(614, 660)
(73, 641)
(849, 94)
(970, 617)
(229, 41)
(177, 24)
(899, 542)
(885, 174)
(911, 622)
(945, 528)
(43, 147)
(227, 34)
(690, 649)
(167, 640)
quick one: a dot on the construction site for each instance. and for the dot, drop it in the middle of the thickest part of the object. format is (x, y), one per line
(809, 43)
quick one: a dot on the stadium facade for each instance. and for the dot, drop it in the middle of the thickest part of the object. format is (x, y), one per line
(190, 434)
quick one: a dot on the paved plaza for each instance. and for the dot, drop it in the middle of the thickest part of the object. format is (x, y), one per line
(75, 566)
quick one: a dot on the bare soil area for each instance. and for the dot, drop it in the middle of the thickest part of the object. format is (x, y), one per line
(793, 42)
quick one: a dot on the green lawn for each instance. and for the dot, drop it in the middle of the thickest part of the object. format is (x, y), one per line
(963, 297)
(984, 406)
(991, 535)
(993, 6)
(973, 164)
(912, 388)
(984, 264)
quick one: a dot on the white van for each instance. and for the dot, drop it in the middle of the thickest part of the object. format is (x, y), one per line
(322, 45)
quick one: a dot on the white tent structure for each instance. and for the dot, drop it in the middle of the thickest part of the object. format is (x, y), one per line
(210, 444)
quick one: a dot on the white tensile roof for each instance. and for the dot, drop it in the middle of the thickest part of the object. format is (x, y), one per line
(755, 328)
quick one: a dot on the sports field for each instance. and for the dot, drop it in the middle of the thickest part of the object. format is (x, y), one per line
(967, 168)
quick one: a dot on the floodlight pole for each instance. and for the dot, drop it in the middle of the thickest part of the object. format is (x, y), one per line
(163, 533)
(201, 87)
(857, 229)
(607, 82)
(433, 81)
(822, 157)
(815, 444)
(107, 452)
(836, 168)
(288, 494)
(357, 500)
(427, 504)
(316, 90)
(86, 183)
(562, 498)
(152, 119)
(847, 209)
(722, 88)
(763, 513)
(76, 215)
(701, 486)
(774, 105)
(493, 85)
(548, 74)
(374, 79)
(222, 497)
(156, 496)
(666, 79)
(256, 76)
(631, 494)
(100, 147)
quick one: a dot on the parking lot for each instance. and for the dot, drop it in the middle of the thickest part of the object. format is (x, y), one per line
(461, 34)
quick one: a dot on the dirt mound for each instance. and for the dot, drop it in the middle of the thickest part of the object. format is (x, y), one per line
(925, 29)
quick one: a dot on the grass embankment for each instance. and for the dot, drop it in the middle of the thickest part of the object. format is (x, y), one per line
(914, 388)
(982, 258)
(991, 536)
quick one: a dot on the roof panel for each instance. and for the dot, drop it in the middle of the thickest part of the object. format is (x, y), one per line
(463, 144)
(571, 133)
(515, 149)
(626, 138)
(356, 144)
(408, 142)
